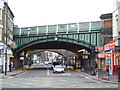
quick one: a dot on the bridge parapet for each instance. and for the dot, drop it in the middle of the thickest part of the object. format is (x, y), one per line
(59, 29)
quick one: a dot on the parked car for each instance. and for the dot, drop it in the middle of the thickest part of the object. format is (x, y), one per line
(50, 62)
(58, 68)
(46, 62)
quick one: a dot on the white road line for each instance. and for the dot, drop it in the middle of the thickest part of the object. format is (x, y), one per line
(48, 73)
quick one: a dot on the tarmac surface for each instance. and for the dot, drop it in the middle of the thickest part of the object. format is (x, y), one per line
(111, 79)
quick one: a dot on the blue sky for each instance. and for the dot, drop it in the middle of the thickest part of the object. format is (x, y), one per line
(47, 12)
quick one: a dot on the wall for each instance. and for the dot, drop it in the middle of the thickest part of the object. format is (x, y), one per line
(116, 19)
(106, 30)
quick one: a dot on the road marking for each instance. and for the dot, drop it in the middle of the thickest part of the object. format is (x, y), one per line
(35, 80)
(63, 80)
(89, 78)
(48, 73)
(28, 83)
(13, 84)
(25, 86)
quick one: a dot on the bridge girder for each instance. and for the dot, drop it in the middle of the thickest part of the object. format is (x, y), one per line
(58, 42)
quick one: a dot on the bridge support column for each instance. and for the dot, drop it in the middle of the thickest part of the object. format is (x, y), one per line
(78, 63)
(17, 63)
(92, 59)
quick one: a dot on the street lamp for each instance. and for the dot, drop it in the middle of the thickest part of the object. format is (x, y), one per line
(56, 38)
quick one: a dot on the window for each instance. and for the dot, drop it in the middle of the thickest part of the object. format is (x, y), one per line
(0, 14)
(0, 34)
(108, 23)
(85, 57)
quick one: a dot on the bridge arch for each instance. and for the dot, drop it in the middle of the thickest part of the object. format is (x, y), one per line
(54, 43)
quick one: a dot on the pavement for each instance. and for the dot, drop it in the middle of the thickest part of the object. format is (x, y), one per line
(111, 80)
(13, 73)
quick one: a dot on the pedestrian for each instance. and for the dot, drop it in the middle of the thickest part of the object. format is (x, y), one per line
(29, 64)
(107, 69)
(11, 66)
(66, 65)
(93, 71)
(94, 68)
(95, 65)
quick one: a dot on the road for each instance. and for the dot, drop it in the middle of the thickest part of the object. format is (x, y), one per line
(45, 78)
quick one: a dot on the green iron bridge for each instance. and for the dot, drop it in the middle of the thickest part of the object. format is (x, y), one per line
(71, 36)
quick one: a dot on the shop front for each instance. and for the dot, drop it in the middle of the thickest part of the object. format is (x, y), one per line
(115, 57)
(115, 62)
(109, 59)
(101, 61)
(108, 62)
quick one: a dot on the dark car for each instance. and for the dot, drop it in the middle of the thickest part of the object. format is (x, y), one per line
(55, 63)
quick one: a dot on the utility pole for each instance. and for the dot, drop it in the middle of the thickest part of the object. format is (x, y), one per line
(6, 13)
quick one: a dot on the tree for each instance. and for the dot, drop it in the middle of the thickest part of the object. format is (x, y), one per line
(38, 53)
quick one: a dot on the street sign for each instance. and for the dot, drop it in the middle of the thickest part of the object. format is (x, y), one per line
(2, 51)
(21, 58)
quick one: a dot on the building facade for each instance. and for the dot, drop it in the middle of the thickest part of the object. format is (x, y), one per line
(109, 56)
(1, 28)
(116, 36)
(116, 19)
(106, 37)
(6, 35)
(106, 30)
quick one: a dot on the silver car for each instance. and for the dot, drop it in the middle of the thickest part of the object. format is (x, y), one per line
(58, 68)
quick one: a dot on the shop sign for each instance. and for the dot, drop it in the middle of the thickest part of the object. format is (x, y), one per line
(9, 52)
(117, 48)
(107, 55)
(112, 44)
(106, 47)
(1, 44)
(101, 55)
(101, 49)
(2, 51)
(96, 49)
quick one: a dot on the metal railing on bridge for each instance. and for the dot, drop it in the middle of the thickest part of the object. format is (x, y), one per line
(59, 29)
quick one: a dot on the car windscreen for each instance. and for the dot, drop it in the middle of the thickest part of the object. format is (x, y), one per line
(58, 66)
(55, 63)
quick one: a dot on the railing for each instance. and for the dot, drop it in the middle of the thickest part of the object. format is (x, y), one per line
(59, 28)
